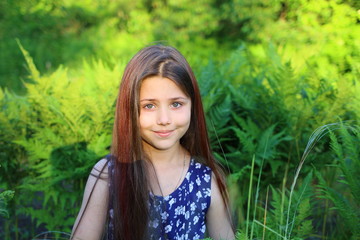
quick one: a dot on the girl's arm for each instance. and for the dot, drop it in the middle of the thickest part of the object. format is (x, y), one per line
(218, 217)
(90, 222)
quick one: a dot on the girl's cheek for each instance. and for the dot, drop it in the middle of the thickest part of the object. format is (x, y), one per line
(184, 118)
(145, 119)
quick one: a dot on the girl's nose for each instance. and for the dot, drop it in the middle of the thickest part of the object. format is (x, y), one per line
(163, 117)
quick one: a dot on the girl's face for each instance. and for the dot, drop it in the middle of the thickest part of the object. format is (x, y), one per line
(165, 113)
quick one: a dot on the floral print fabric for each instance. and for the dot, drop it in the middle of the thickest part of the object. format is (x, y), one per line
(180, 215)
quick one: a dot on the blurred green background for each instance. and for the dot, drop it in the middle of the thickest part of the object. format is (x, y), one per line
(271, 72)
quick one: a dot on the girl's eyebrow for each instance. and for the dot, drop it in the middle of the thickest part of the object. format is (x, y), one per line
(171, 99)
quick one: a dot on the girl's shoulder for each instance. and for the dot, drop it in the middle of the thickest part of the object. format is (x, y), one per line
(101, 169)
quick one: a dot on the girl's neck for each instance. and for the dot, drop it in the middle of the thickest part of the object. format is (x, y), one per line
(165, 157)
(167, 169)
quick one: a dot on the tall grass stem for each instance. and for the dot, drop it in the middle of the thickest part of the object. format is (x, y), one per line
(249, 195)
(318, 134)
(271, 230)
(266, 203)
(258, 189)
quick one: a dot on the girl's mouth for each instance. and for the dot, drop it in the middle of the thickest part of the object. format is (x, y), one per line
(163, 133)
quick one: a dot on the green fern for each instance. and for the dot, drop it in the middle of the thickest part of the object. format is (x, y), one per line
(241, 236)
(345, 148)
(301, 224)
(68, 130)
(5, 197)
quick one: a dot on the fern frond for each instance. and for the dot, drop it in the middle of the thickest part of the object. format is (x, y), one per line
(219, 114)
(269, 141)
(5, 197)
(335, 145)
(241, 236)
(35, 74)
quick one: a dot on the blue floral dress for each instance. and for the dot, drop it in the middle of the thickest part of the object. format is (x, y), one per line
(182, 214)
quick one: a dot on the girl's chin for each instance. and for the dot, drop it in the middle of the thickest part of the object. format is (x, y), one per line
(160, 147)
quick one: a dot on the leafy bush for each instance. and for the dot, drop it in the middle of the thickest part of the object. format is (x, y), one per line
(321, 33)
(343, 191)
(61, 128)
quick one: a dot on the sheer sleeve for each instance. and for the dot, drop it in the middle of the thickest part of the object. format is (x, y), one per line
(218, 217)
(90, 222)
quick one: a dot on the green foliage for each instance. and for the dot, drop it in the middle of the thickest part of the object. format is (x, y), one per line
(5, 197)
(265, 107)
(274, 220)
(319, 33)
(12, 156)
(344, 193)
(254, 107)
(241, 236)
(53, 137)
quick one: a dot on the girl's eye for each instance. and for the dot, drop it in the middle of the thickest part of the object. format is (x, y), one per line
(176, 105)
(149, 106)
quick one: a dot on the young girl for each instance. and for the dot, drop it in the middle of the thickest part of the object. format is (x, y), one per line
(161, 180)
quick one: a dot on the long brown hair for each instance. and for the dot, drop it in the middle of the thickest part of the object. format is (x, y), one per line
(130, 179)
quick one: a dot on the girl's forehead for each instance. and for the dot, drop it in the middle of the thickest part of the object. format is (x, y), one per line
(160, 87)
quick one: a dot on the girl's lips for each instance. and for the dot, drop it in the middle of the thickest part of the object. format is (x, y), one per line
(163, 134)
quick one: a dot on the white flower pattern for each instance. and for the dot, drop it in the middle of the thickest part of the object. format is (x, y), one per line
(185, 209)
(180, 215)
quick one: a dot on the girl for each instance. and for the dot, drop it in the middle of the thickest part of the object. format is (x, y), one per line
(161, 180)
